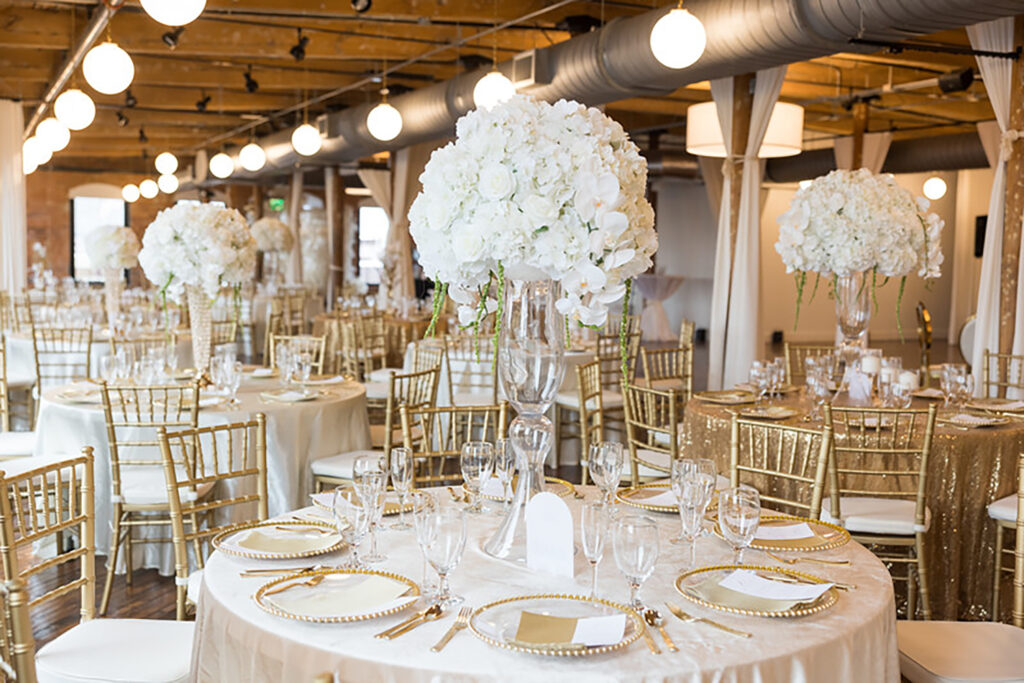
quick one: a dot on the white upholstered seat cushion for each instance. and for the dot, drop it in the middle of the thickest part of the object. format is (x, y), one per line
(17, 444)
(339, 466)
(192, 590)
(1004, 509)
(146, 485)
(571, 400)
(119, 650)
(958, 651)
(383, 376)
(868, 515)
(377, 390)
(20, 379)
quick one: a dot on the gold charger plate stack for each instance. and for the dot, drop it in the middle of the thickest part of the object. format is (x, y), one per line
(768, 412)
(324, 501)
(634, 496)
(325, 543)
(826, 536)
(729, 397)
(412, 590)
(691, 591)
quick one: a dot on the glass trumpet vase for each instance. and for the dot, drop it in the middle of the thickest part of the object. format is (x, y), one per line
(113, 285)
(853, 312)
(531, 364)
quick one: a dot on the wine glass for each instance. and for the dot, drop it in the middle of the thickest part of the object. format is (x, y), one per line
(424, 520)
(303, 364)
(759, 379)
(701, 473)
(594, 522)
(818, 391)
(739, 513)
(504, 468)
(605, 463)
(232, 380)
(635, 541)
(376, 483)
(108, 368)
(444, 551)
(401, 481)
(362, 466)
(477, 462)
(353, 522)
(284, 363)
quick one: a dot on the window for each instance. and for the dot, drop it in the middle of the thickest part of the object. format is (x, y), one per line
(88, 214)
(373, 235)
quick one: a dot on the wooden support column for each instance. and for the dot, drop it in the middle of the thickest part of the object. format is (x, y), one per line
(257, 202)
(1014, 213)
(294, 209)
(860, 126)
(237, 196)
(334, 202)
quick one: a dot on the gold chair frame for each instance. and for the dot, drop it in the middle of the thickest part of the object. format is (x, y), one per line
(1001, 371)
(672, 364)
(436, 435)
(62, 355)
(796, 356)
(653, 419)
(315, 346)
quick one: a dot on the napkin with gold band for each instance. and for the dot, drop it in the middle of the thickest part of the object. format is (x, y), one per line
(548, 631)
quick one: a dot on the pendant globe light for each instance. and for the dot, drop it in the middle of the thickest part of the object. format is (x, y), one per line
(174, 12)
(108, 68)
(166, 163)
(28, 166)
(168, 183)
(53, 133)
(495, 87)
(74, 109)
(130, 193)
(35, 151)
(678, 39)
(148, 188)
(221, 165)
(384, 121)
(306, 140)
(252, 157)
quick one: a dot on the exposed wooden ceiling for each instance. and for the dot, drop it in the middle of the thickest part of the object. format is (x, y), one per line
(234, 36)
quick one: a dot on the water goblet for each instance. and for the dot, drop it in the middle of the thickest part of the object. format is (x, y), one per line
(401, 481)
(283, 357)
(233, 380)
(595, 520)
(444, 551)
(424, 520)
(303, 368)
(504, 468)
(693, 483)
(739, 513)
(352, 522)
(375, 483)
(759, 379)
(477, 462)
(605, 462)
(635, 542)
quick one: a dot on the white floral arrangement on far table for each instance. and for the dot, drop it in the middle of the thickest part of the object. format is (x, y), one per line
(272, 235)
(852, 221)
(202, 245)
(530, 189)
(113, 247)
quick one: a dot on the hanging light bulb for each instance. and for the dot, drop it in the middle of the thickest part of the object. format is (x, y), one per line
(934, 188)
(166, 163)
(168, 183)
(74, 109)
(492, 89)
(174, 12)
(252, 157)
(36, 151)
(306, 140)
(221, 165)
(384, 121)
(678, 39)
(108, 68)
(130, 193)
(148, 188)
(28, 166)
(53, 133)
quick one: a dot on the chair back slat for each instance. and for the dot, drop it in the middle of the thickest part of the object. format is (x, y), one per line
(435, 437)
(652, 427)
(669, 369)
(17, 645)
(1000, 372)
(62, 355)
(315, 346)
(796, 360)
(609, 353)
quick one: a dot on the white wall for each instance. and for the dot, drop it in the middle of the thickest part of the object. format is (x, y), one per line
(974, 188)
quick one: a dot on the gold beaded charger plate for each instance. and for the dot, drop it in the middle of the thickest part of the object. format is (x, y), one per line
(729, 397)
(550, 627)
(278, 540)
(998, 405)
(768, 412)
(491, 489)
(325, 501)
(788, 532)
(337, 595)
(739, 589)
(652, 497)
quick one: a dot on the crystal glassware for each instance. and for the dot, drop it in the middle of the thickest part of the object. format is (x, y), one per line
(635, 542)
(739, 513)
(504, 468)
(374, 505)
(303, 364)
(108, 369)
(605, 462)
(477, 462)
(424, 520)
(401, 481)
(760, 379)
(595, 519)
(702, 472)
(444, 551)
(233, 374)
(353, 523)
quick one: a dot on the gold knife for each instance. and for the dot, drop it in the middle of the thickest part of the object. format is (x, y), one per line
(650, 641)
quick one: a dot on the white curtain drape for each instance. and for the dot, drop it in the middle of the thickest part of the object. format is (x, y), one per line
(13, 230)
(998, 36)
(876, 148)
(736, 289)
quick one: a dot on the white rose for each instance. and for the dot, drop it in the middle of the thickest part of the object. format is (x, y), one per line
(495, 182)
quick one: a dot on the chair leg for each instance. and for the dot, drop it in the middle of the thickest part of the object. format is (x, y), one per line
(997, 572)
(911, 591)
(128, 552)
(112, 565)
(922, 576)
(180, 606)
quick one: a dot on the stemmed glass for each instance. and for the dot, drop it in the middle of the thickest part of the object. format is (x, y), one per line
(477, 462)
(776, 376)
(232, 380)
(605, 463)
(702, 472)
(444, 551)
(353, 523)
(739, 513)
(817, 379)
(504, 468)
(759, 379)
(401, 481)
(369, 474)
(284, 364)
(108, 369)
(423, 518)
(594, 522)
(636, 551)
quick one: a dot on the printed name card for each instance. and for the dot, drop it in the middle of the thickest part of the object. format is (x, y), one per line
(549, 535)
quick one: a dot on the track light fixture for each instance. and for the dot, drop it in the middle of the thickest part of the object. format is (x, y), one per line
(362, 5)
(202, 103)
(129, 99)
(122, 120)
(143, 138)
(171, 37)
(251, 84)
(298, 50)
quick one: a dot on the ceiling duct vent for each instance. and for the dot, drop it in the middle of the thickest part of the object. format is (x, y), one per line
(530, 68)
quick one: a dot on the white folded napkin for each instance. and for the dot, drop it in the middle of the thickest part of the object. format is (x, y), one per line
(784, 532)
(343, 595)
(749, 583)
(328, 380)
(289, 396)
(263, 372)
(665, 497)
(969, 420)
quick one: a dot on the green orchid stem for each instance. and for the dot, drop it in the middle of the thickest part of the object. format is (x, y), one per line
(440, 292)
(498, 313)
(624, 332)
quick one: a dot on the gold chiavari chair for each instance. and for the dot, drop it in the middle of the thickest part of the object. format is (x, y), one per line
(435, 437)
(6, 312)
(587, 402)
(796, 356)
(12, 444)
(614, 324)
(370, 342)
(786, 464)
(941, 651)
(223, 332)
(139, 493)
(1000, 372)
(425, 356)
(275, 326)
(881, 473)
(229, 461)
(17, 644)
(21, 314)
(472, 374)
(652, 430)
(609, 355)
(41, 502)
(669, 369)
(62, 355)
(293, 306)
(687, 332)
(415, 389)
(138, 347)
(316, 347)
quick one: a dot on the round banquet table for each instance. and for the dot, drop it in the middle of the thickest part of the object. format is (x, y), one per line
(968, 469)
(297, 434)
(235, 640)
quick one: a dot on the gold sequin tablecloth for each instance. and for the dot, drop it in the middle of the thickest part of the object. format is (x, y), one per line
(967, 470)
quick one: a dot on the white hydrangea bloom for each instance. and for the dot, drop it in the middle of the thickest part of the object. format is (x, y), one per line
(272, 235)
(113, 246)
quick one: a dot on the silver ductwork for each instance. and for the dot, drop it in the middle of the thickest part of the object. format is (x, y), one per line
(616, 62)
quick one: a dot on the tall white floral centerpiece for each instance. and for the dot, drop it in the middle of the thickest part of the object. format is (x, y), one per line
(275, 240)
(860, 229)
(113, 249)
(191, 251)
(536, 212)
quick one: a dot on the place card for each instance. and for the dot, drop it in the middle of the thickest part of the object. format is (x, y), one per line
(544, 629)
(749, 583)
(549, 535)
(860, 387)
(784, 532)
(655, 496)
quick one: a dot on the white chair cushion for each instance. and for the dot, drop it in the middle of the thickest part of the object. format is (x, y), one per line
(377, 390)
(20, 379)
(383, 375)
(668, 384)
(195, 583)
(119, 650)
(655, 458)
(146, 485)
(338, 466)
(958, 651)
(1004, 509)
(17, 444)
(868, 515)
(611, 399)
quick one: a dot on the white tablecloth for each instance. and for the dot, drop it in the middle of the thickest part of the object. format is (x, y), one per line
(297, 434)
(854, 641)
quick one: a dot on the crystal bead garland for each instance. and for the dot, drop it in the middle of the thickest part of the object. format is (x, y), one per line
(853, 312)
(531, 364)
(200, 317)
(113, 284)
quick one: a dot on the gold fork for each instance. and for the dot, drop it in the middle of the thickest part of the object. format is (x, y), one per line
(461, 622)
(683, 616)
(311, 581)
(802, 558)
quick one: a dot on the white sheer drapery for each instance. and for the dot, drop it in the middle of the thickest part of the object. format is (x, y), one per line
(735, 300)
(13, 230)
(655, 288)
(997, 36)
(876, 148)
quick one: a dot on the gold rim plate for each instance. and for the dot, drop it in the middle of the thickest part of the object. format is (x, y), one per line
(768, 412)
(559, 487)
(826, 601)
(729, 397)
(634, 496)
(829, 536)
(320, 500)
(219, 541)
(260, 596)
